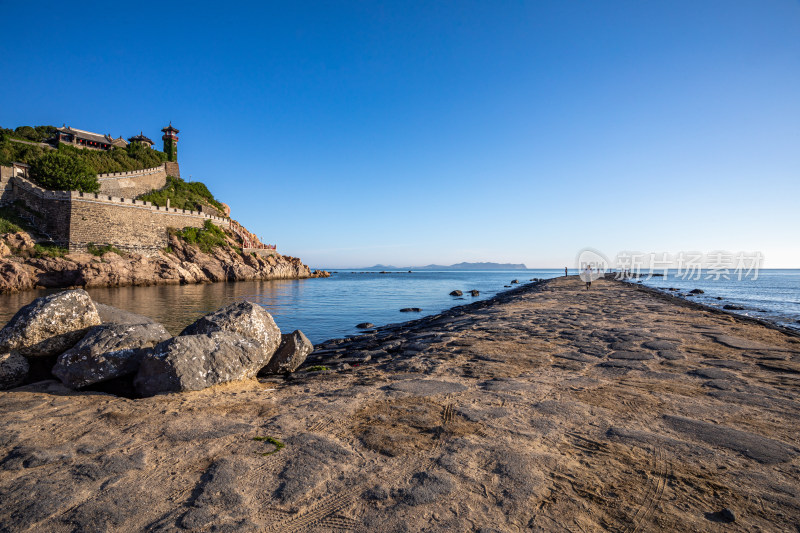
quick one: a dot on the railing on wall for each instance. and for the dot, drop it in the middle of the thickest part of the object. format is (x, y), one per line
(132, 173)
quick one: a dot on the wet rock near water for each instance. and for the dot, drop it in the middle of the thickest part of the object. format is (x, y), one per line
(107, 351)
(50, 325)
(291, 353)
(456, 293)
(195, 362)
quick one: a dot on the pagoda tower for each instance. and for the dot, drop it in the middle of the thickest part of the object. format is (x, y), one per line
(170, 139)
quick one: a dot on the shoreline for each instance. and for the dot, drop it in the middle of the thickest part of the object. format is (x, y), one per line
(543, 406)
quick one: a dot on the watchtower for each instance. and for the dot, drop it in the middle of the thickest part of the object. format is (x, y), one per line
(170, 139)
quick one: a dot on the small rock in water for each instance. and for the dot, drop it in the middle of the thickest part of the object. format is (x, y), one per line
(731, 307)
(513, 281)
(697, 291)
(456, 293)
(410, 310)
(473, 292)
(365, 325)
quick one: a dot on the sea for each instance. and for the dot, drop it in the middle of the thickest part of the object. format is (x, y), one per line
(325, 308)
(769, 294)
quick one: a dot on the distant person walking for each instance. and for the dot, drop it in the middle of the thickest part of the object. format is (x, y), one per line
(565, 272)
(587, 276)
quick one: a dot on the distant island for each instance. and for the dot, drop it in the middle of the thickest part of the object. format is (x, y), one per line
(458, 266)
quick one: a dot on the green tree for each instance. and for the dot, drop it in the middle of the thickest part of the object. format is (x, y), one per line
(61, 172)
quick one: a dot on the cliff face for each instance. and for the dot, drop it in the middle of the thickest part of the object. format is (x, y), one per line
(182, 265)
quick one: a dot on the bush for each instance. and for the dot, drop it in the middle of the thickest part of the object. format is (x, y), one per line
(190, 195)
(207, 238)
(61, 172)
(10, 222)
(94, 249)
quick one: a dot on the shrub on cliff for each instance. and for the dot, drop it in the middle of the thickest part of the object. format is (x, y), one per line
(191, 195)
(209, 237)
(63, 173)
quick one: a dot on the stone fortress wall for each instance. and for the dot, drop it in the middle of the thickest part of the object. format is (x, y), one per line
(74, 219)
(132, 184)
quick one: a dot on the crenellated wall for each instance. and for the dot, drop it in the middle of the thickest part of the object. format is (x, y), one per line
(75, 219)
(132, 184)
(128, 224)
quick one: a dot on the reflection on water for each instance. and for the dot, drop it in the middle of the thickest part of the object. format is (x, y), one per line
(322, 308)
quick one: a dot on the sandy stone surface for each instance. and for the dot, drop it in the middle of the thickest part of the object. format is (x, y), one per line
(547, 408)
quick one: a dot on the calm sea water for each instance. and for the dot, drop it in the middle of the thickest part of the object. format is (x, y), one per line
(322, 308)
(329, 308)
(773, 296)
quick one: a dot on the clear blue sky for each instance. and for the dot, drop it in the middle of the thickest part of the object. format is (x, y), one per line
(354, 133)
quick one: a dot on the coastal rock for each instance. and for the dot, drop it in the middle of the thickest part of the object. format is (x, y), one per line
(731, 307)
(14, 277)
(13, 370)
(365, 325)
(195, 362)
(50, 325)
(456, 293)
(514, 281)
(291, 353)
(4, 249)
(473, 292)
(243, 318)
(107, 351)
(697, 291)
(411, 310)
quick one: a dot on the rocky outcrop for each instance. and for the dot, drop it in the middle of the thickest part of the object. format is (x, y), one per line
(50, 325)
(180, 263)
(242, 318)
(106, 352)
(194, 362)
(292, 352)
(456, 293)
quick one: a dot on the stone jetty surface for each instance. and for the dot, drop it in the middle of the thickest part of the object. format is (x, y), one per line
(546, 408)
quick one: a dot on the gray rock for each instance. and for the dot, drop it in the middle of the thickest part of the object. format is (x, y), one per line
(754, 446)
(194, 362)
(456, 293)
(671, 355)
(13, 370)
(474, 292)
(107, 351)
(114, 315)
(221, 504)
(713, 373)
(365, 325)
(507, 384)
(696, 291)
(631, 356)
(50, 325)
(411, 310)
(292, 352)
(660, 345)
(313, 459)
(247, 319)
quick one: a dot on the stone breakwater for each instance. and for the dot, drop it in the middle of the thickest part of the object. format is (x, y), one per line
(546, 408)
(181, 263)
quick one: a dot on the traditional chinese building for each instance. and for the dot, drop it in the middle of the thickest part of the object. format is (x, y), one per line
(87, 139)
(141, 139)
(170, 139)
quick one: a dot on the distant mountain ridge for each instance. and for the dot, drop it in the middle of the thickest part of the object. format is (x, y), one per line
(457, 266)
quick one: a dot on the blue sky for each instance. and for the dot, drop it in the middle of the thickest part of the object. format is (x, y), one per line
(354, 133)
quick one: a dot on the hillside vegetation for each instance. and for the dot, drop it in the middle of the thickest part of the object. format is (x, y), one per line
(191, 195)
(134, 157)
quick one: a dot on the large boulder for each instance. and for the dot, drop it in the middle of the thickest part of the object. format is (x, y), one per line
(292, 352)
(243, 318)
(13, 370)
(194, 362)
(107, 351)
(50, 325)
